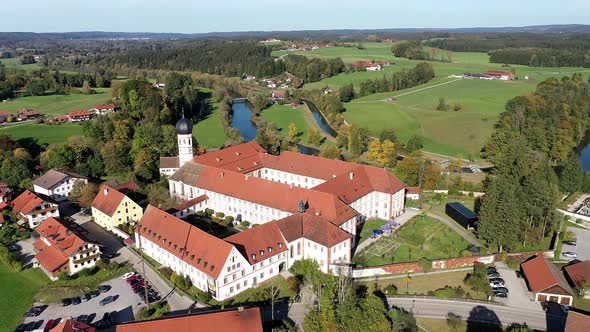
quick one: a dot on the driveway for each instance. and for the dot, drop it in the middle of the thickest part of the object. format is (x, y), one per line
(582, 247)
(125, 305)
(518, 293)
(26, 251)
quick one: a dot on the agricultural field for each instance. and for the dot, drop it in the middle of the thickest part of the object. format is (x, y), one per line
(18, 290)
(414, 110)
(16, 63)
(209, 132)
(43, 134)
(56, 105)
(418, 238)
(283, 115)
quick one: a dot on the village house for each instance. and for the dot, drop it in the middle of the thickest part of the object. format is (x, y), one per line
(34, 208)
(79, 116)
(61, 249)
(111, 208)
(368, 65)
(57, 183)
(578, 274)
(28, 114)
(500, 75)
(103, 109)
(577, 322)
(546, 281)
(237, 319)
(413, 193)
(5, 115)
(279, 95)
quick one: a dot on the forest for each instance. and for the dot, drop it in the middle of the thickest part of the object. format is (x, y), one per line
(485, 42)
(533, 150)
(541, 57)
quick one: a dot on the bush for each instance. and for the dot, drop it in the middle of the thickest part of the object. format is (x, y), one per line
(229, 220)
(17, 265)
(390, 289)
(245, 223)
(445, 293)
(199, 295)
(166, 271)
(454, 321)
(181, 282)
(220, 215)
(200, 213)
(294, 284)
(209, 212)
(102, 265)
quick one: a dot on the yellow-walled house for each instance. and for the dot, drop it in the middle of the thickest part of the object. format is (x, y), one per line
(111, 208)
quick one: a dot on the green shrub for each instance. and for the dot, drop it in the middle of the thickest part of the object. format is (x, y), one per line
(454, 321)
(445, 293)
(229, 220)
(166, 271)
(199, 295)
(220, 215)
(390, 289)
(245, 223)
(17, 265)
(209, 212)
(200, 213)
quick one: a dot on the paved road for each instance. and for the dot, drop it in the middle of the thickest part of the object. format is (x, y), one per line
(582, 247)
(435, 308)
(125, 305)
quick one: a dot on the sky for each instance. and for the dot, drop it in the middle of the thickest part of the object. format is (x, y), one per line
(197, 16)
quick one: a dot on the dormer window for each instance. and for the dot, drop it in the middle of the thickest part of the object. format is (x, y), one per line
(269, 249)
(254, 256)
(280, 245)
(261, 252)
(199, 260)
(192, 257)
(212, 267)
(205, 264)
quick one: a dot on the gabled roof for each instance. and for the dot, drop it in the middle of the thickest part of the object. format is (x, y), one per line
(62, 235)
(28, 201)
(51, 258)
(79, 113)
(104, 106)
(230, 320)
(241, 158)
(578, 272)
(542, 274)
(313, 228)
(259, 243)
(127, 187)
(70, 325)
(198, 248)
(107, 200)
(191, 203)
(53, 177)
(169, 162)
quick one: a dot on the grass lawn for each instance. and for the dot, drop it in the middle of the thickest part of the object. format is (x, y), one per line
(43, 134)
(209, 131)
(418, 238)
(16, 63)
(55, 105)
(421, 285)
(368, 228)
(415, 113)
(440, 325)
(283, 115)
(18, 290)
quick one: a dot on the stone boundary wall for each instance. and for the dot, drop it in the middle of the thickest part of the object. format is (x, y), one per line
(120, 233)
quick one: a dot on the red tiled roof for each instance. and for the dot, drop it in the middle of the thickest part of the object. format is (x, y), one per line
(262, 241)
(279, 93)
(412, 190)
(498, 73)
(192, 202)
(3, 205)
(79, 113)
(241, 158)
(578, 272)
(70, 325)
(277, 195)
(107, 200)
(104, 106)
(51, 258)
(577, 322)
(542, 274)
(196, 247)
(128, 186)
(26, 202)
(230, 320)
(39, 244)
(62, 235)
(312, 228)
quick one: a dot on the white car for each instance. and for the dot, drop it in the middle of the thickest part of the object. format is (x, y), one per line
(496, 284)
(128, 275)
(569, 254)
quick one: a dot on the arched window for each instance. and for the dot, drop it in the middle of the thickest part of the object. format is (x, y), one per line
(298, 248)
(291, 251)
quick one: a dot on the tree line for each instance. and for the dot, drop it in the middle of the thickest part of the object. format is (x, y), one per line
(533, 150)
(422, 73)
(313, 69)
(541, 57)
(414, 50)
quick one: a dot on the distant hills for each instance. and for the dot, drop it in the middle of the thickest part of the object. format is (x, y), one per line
(339, 33)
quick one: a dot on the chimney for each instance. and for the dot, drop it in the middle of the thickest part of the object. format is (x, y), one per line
(240, 309)
(351, 175)
(105, 191)
(222, 175)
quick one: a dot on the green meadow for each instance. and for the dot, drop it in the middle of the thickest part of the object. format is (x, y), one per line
(16, 63)
(283, 115)
(56, 105)
(43, 134)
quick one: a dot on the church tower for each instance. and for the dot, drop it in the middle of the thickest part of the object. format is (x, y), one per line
(184, 131)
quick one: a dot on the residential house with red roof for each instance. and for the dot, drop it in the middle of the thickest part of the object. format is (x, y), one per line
(577, 322)
(578, 274)
(70, 325)
(228, 320)
(4, 115)
(500, 75)
(34, 208)
(62, 249)
(279, 95)
(79, 116)
(57, 183)
(103, 109)
(28, 114)
(111, 208)
(546, 282)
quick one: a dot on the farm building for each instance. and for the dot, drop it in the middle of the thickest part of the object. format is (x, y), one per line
(546, 281)
(461, 214)
(28, 114)
(578, 275)
(103, 109)
(79, 116)
(500, 75)
(57, 183)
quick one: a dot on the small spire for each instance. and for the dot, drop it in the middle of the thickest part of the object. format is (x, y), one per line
(183, 112)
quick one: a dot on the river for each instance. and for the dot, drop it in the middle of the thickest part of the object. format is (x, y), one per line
(242, 121)
(585, 158)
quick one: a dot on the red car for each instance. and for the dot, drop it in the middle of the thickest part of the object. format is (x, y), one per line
(49, 325)
(137, 285)
(130, 279)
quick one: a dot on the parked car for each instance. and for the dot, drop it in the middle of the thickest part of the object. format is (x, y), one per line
(109, 255)
(137, 285)
(85, 297)
(83, 319)
(50, 324)
(66, 302)
(569, 254)
(20, 328)
(133, 278)
(13, 247)
(496, 284)
(492, 275)
(35, 311)
(106, 300)
(139, 290)
(498, 280)
(128, 275)
(501, 294)
(569, 243)
(491, 269)
(31, 326)
(501, 289)
(76, 300)
(104, 288)
(93, 294)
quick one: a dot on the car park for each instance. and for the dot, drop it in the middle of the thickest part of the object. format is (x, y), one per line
(104, 288)
(501, 294)
(493, 275)
(106, 300)
(496, 284)
(569, 254)
(498, 280)
(66, 302)
(128, 275)
(76, 300)
(569, 243)
(501, 289)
